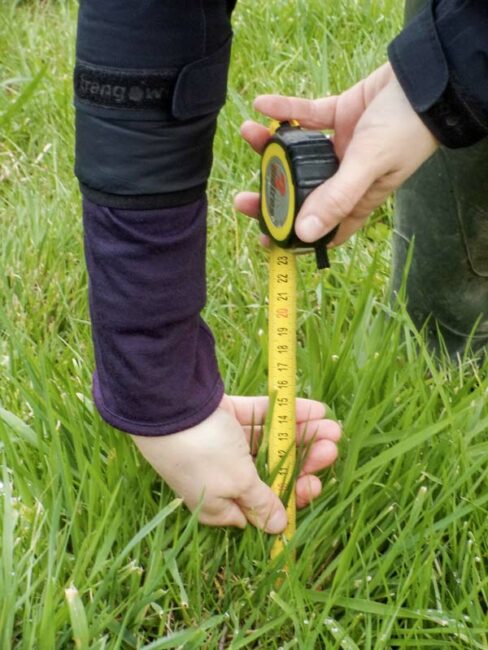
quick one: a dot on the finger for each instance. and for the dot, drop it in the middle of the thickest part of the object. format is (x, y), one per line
(255, 134)
(307, 489)
(307, 432)
(262, 507)
(247, 203)
(254, 435)
(321, 454)
(318, 430)
(253, 410)
(222, 512)
(375, 196)
(335, 199)
(248, 411)
(348, 227)
(311, 113)
(309, 409)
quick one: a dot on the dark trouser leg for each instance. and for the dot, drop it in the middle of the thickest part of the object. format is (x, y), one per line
(444, 208)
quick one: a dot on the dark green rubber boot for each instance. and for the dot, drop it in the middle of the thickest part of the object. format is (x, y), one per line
(443, 207)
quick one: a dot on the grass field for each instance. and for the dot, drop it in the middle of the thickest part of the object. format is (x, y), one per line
(95, 552)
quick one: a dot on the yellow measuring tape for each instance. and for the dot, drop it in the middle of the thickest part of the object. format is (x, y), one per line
(282, 383)
(294, 162)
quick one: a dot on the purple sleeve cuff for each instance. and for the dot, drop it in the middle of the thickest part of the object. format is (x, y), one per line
(156, 371)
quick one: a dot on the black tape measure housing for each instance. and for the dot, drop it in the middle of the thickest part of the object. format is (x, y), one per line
(295, 161)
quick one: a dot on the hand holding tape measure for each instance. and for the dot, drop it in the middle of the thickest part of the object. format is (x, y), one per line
(294, 162)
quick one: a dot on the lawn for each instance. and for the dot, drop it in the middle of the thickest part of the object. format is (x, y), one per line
(95, 551)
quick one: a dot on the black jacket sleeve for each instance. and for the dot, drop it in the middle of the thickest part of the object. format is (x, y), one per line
(441, 62)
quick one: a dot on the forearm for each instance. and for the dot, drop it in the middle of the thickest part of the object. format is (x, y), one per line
(156, 369)
(441, 62)
(143, 155)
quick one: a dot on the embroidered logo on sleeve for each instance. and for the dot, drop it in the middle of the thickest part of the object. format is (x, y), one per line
(133, 89)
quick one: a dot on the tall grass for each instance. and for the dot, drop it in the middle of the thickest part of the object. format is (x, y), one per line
(95, 551)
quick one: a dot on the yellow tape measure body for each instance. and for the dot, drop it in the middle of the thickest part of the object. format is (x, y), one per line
(294, 162)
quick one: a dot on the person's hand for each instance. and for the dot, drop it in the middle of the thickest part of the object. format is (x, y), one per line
(211, 464)
(378, 138)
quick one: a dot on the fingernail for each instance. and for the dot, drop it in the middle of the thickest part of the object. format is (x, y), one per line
(310, 228)
(277, 522)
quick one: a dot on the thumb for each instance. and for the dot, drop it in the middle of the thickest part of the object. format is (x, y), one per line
(263, 507)
(335, 199)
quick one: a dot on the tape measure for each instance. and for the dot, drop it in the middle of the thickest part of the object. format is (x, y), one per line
(294, 163)
(282, 384)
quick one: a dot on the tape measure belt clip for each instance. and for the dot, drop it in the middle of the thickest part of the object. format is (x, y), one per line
(295, 162)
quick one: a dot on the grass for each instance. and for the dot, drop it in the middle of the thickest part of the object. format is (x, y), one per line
(95, 552)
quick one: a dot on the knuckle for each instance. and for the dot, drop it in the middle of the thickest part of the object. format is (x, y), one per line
(337, 431)
(208, 519)
(245, 482)
(339, 202)
(315, 111)
(225, 516)
(244, 476)
(261, 505)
